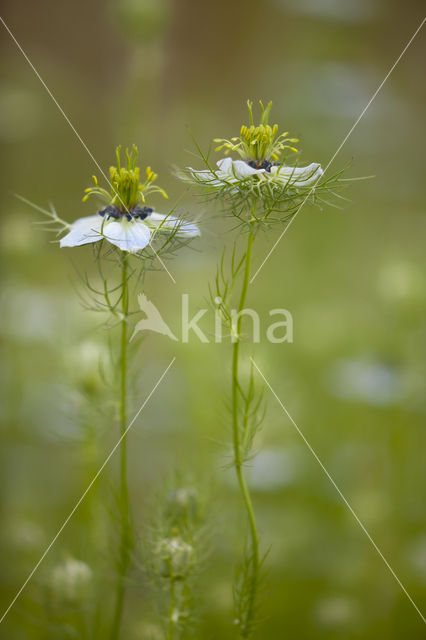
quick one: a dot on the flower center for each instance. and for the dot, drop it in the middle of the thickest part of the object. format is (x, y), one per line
(266, 164)
(136, 213)
(258, 144)
(126, 188)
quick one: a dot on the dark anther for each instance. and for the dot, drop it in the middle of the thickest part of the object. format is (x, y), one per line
(136, 212)
(111, 212)
(142, 212)
(261, 165)
(266, 165)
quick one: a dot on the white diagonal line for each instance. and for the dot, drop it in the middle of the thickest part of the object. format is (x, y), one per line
(76, 133)
(339, 491)
(339, 148)
(80, 500)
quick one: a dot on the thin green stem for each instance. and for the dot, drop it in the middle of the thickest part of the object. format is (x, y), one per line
(124, 507)
(171, 629)
(245, 629)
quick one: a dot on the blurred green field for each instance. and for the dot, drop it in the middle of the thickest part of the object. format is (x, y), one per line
(144, 71)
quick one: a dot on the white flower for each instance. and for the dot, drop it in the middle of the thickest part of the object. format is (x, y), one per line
(233, 171)
(130, 235)
(71, 579)
(175, 556)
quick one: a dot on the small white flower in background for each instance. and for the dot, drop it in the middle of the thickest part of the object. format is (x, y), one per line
(124, 223)
(24, 534)
(366, 380)
(71, 580)
(336, 611)
(175, 617)
(176, 557)
(90, 364)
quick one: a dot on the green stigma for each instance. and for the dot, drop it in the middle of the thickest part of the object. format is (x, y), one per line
(126, 188)
(258, 143)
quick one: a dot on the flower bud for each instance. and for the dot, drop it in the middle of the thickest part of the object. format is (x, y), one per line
(176, 558)
(183, 504)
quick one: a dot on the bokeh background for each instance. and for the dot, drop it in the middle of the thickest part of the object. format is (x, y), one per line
(148, 71)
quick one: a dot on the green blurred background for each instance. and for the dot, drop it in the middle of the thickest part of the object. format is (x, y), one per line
(143, 71)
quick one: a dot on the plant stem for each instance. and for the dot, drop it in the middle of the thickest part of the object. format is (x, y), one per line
(171, 629)
(124, 507)
(245, 629)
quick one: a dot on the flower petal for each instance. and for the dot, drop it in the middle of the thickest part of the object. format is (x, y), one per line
(225, 167)
(298, 176)
(206, 176)
(171, 223)
(238, 168)
(127, 236)
(83, 231)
